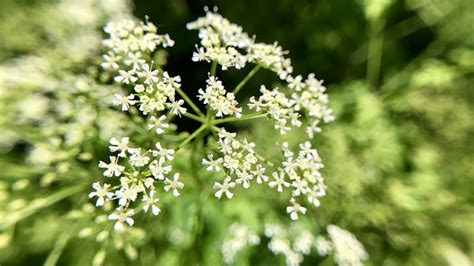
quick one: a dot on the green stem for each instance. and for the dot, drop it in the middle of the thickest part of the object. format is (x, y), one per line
(191, 137)
(234, 119)
(40, 204)
(213, 68)
(189, 101)
(195, 117)
(59, 246)
(374, 53)
(246, 79)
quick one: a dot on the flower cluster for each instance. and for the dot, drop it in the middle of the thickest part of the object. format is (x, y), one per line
(144, 170)
(293, 244)
(227, 44)
(139, 169)
(238, 161)
(239, 236)
(130, 45)
(152, 91)
(296, 242)
(347, 249)
(218, 99)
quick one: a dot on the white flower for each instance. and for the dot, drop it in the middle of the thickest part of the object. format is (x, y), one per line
(347, 249)
(224, 188)
(110, 61)
(212, 164)
(126, 193)
(158, 124)
(260, 174)
(148, 74)
(113, 168)
(165, 154)
(158, 170)
(323, 246)
(121, 146)
(122, 217)
(176, 107)
(138, 159)
(279, 181)
(125, 101)
(150, 202)
(174, 184)
(126, 77)
(295, 209)
(101, 193)
(244, 179)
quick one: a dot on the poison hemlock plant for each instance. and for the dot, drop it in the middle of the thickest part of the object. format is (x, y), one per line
(157, 178)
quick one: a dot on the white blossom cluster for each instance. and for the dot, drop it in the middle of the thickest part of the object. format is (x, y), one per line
(306, 99)
(139, 169)
(239, 236)
(218, 99)
(137, 180)
(130, 45)
(348, 251)
(230, 46)
(153, 91)
(238, 161)
(293, 243)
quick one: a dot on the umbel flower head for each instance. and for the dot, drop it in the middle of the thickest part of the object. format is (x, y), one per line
(144, 170)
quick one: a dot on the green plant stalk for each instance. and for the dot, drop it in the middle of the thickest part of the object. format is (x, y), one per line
(59, 246)
(195, 117)
(235, 119)
(246, 79)
(374, 53)
(191, 137)
(189, 101)
(48, 201)
(213, 68)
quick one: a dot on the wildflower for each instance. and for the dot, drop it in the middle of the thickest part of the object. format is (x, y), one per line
(122, 217)
(164, 154)
(110, 61)
(176, 107)
(158, 170)
(279, 182)
(125, 101)
(174, 184)
(101, 193)
(113, 168)
(347, 249)
(212, 164)
(295, 209)
(323, 246)
(150, 203)
(126, 193)
(158, 124)
(224, 188)
(122, 146)
(126, 77)
(148, 74)
(138, 159)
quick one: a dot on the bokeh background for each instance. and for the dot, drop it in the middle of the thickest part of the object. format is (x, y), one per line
(400, 75)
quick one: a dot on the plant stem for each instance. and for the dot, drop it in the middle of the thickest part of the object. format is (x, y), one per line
(246, 79)
(189, 101)
(40, 204)
(374, 53)
(191, 137)
(213, 68)
(194, 117)
(234, 119)
(54, 255)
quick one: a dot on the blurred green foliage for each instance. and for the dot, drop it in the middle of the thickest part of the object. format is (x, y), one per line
(398, 158)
